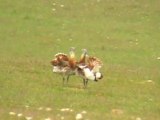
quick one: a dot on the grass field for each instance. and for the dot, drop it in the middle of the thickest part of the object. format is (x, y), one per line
(124, 34)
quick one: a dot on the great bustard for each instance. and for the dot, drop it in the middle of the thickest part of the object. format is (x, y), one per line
(64, 64)
(88, 68)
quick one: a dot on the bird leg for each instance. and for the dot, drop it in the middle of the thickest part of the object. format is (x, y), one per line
(68, 78)
(63, 80)
(85, 81)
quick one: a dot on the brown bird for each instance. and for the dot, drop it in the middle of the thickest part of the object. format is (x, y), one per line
(88, 68)
(64, 64)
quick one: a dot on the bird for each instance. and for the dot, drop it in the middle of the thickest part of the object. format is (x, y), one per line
(88, 68)
(64, 64)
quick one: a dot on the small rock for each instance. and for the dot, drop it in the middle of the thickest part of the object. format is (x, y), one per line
(19, 115)
(12, 113)
(79, 116)
(59, 39)
(150, 99)
(158, 58)
(65, 109)
(84, 112)
(58, 115)
(40, 108)
(62, 118)
(138, 118)
(70, 39)
(47, 119)
(48, 109)
(53, 3)
(117, 111)
(28, 118)
(149, 81)
(26, 106)
(71, 110)
(61, 5)
(53, 9)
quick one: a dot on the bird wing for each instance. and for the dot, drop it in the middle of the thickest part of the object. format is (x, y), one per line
(61, 56)
(94, 64)
(61, 60)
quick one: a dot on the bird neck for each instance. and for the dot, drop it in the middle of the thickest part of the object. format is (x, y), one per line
(72, 55)
(72, 60)
(83, 58)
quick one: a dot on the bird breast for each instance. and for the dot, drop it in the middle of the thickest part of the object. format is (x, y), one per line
(89, 74)
(98, 75)
(58, 69)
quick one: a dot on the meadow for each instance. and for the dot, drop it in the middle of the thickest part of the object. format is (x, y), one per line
(124, 34)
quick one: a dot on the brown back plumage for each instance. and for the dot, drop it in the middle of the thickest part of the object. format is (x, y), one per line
(64, 60)
(61, 60)
(94, 63)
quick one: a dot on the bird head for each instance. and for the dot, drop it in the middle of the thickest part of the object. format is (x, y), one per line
(98, 76)
(84, 51)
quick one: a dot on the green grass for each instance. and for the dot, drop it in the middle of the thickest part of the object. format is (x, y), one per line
(123, 34)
